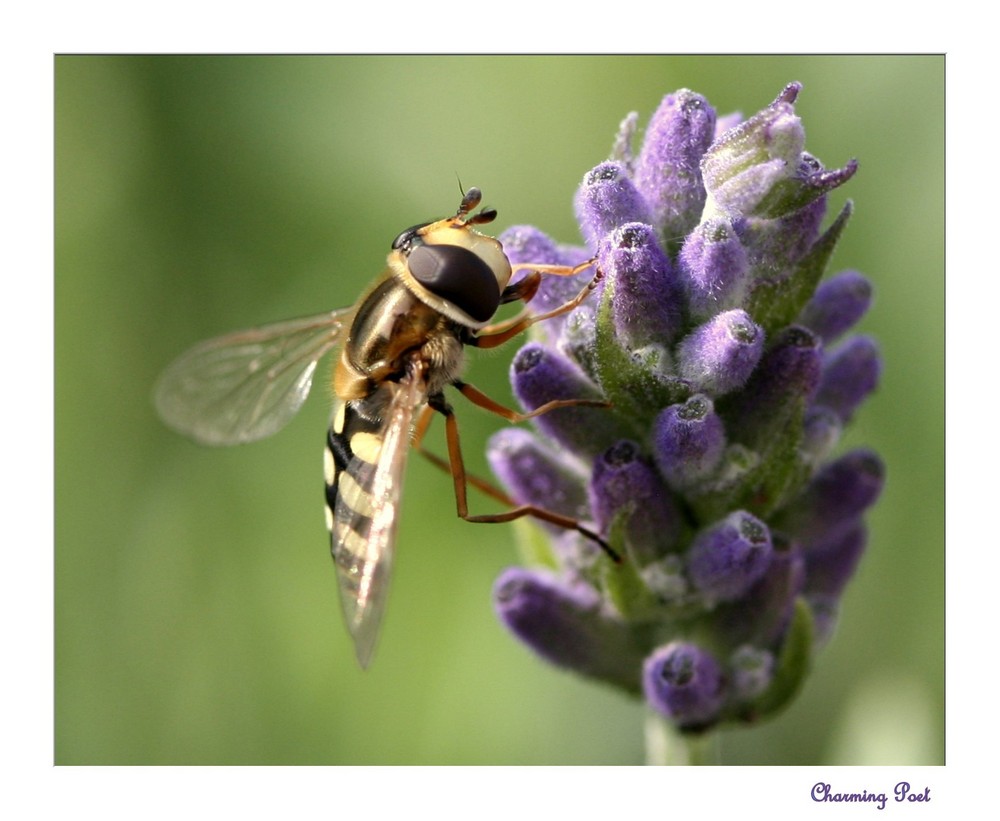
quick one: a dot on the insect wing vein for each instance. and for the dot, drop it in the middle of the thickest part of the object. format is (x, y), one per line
(365, 520)
(246, 385)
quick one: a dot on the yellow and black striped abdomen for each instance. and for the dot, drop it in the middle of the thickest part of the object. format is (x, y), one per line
(365, 456)
(353, 447)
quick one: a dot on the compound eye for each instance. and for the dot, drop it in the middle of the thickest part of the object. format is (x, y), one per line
(458, 275)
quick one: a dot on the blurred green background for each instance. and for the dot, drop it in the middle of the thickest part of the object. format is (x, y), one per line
(196, 612)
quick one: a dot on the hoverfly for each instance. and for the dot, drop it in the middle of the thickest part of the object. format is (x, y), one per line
(401, 344)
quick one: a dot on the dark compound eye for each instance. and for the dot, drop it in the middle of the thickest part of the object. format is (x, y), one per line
(458, 275)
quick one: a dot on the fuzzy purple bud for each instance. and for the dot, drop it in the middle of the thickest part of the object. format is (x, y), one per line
(668, 172)
(831, 562)
(606, 199)
(773, 246)
(625, 481)
(850, 374)
(539, 375)
(646, 302)
(762, 615)
(527, 244)
(788, 373)
(839, 302)
(713, 268)
(536, 474)
(836, 496)
(567, 625)
(685, 683)
(726, 560)
(719, 356)
(688, 442)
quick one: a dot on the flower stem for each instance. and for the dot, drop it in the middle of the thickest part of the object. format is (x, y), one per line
(665, 745)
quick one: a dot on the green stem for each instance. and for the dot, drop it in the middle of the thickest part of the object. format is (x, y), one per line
(666, 746)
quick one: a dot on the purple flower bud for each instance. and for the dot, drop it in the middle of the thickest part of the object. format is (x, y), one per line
(606, 199)
(668, 172)
(762, 615)
(726, 560)
(748, 161)
(684, 682)
(713, 268)
(773, 246)
(835, 497)
(567, 626)
(526, 244)
(646, 304)
(539, 375)
(624, 480)
(535, 474)
(719, 356)
(831, 562)
(788, 372)
(688, 442)
(838, 303)
(850, 374)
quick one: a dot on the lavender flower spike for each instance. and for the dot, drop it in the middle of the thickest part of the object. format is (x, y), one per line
(713, 471)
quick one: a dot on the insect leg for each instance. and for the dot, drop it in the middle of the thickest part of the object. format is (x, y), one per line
(456, 467)
(477, 397)
(522, 290)
(482, 485)
(554, 270)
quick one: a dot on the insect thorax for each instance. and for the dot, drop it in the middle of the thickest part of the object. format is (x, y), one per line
(391, 327)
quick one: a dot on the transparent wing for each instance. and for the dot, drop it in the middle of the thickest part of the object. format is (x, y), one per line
(366, 514)
(246, 385)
